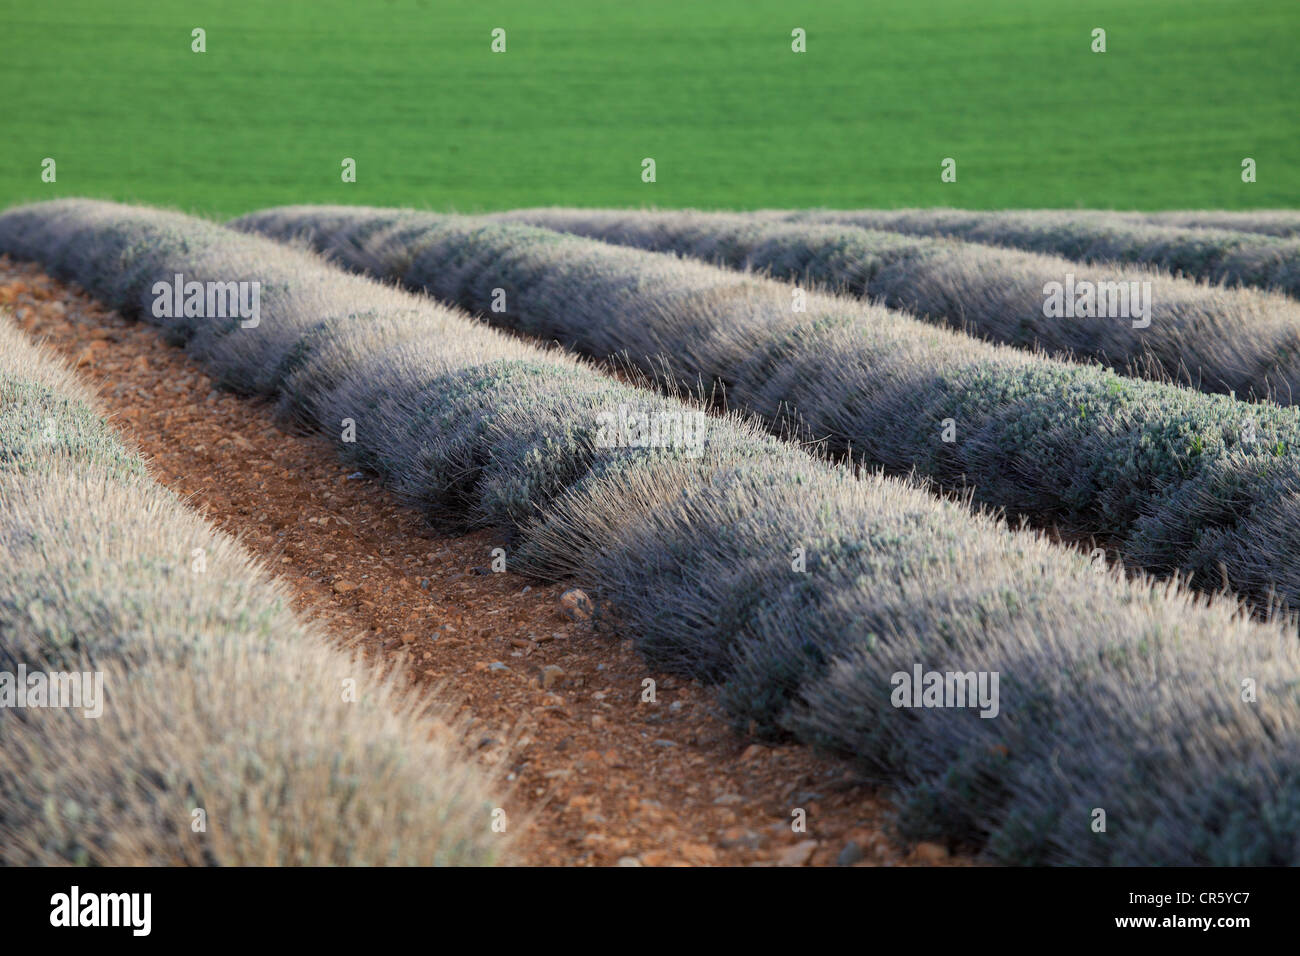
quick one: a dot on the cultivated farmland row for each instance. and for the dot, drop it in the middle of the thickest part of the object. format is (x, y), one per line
(1215, 255)
(1177, 479)
(1284, 223)
(1241, 341)
(216, 703)
(693, 554)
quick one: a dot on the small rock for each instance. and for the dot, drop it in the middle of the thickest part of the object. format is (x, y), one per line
(931, 852)
(343, 586)
(497, 666)
(851, 854)
(628, 861)
(701, 854)
(550, 675)
(576, 605)
(242, 443)
(355, 475)
(797, 855)
(741, 838)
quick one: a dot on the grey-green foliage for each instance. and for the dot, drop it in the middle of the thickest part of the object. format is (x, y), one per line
(1215, 255)
(214, 695)
(1284, 223)
(1139, 464)
(1221, 340)
(694, 557)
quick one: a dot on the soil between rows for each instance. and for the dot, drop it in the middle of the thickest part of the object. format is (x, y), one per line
(600, 776)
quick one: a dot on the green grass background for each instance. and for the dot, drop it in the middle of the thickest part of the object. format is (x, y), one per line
(709, 88)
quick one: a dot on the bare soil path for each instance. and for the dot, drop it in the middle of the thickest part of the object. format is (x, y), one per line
(601, 776)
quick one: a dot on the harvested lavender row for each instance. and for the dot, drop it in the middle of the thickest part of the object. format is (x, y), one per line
(809, 594)
(1215, 255)
(1134, 320)
(1176, 479)
(194, 686)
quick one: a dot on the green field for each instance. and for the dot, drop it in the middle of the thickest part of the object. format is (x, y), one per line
(709, 89)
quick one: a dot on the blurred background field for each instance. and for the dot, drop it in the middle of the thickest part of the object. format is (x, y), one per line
(709, 89)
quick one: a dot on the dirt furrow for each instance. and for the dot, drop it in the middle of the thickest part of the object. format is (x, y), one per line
(602, 775)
